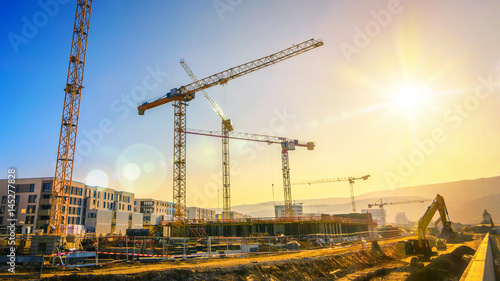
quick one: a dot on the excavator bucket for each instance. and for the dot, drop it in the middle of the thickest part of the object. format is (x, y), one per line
(447, 233)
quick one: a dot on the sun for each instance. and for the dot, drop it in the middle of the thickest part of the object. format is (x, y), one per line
(410, 97)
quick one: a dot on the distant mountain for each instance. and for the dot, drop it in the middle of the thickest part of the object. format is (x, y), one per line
(465, 200)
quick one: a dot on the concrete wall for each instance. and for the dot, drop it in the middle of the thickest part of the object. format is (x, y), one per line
(121, 222)
(136, 221)
(156, 219)
(102, 222)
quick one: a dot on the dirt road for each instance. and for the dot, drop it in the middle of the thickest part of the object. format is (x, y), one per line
(226, 265)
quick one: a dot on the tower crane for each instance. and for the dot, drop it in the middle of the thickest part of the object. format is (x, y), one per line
(58, 219)
(349, 179)
(226, 128)
(182, 95)
(382, 204)
(286, 145)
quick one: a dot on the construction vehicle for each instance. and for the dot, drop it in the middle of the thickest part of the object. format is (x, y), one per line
(286, 145)
(420, 249)
(351, 185)
(382, 204)
(182, 95)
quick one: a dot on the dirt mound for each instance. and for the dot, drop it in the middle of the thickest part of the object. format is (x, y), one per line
(445, 267)
(309, 268)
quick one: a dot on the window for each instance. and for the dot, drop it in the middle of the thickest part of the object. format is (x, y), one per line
(4, 199)
(98, 194)
(79, 210)
(79, 201)
(17, 198)
(47, 187)
(32, 187)
(46, 196)
(44, 218)
(77, 220)
(30, 219)
(111, 196)
(32, 198)
(71, 190)
(94, 194)
(2, 209)
(80, 191)
(18, 187)
(97, 204)
(31, 209)
(1, 220)
(45, 207)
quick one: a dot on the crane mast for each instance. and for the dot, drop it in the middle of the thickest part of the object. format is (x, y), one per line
(226, 127)
(180, 97)
(58, 219)
(286, 145)
(351, 181)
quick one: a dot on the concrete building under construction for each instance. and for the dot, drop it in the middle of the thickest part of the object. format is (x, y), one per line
(297, 226)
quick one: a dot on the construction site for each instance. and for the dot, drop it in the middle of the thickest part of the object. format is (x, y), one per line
(85, 231)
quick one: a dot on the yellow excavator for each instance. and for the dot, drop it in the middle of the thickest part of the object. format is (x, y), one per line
(420, 248)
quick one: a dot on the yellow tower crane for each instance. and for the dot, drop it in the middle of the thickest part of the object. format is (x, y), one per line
(182, 95)
(58, 219)
(227, 127)
(286, 145)
(351, 185)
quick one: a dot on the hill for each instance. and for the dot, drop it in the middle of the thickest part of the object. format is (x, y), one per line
(465, 200)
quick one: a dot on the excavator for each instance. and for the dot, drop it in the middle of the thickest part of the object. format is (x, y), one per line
(420, 248)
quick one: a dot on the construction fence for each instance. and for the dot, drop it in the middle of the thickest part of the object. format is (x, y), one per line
(93, 251)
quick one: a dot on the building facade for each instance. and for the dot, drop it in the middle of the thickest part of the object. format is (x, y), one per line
(92, 209)
(32, 204)
(154, 211)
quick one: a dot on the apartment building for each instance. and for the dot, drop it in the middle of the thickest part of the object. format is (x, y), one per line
(110, 211)
(98, 210)
(154, 211)
(32, 204)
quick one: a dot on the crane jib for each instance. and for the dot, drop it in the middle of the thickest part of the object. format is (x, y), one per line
(187, 91)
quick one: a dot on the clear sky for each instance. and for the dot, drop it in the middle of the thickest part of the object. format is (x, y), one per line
(406, 91)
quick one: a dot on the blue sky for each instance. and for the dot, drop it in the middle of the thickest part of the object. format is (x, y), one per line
(349, 96)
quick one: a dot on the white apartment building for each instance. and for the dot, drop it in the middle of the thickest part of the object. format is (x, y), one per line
(154, 211)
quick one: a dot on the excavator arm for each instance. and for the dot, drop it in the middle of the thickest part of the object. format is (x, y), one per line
(437, 205)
